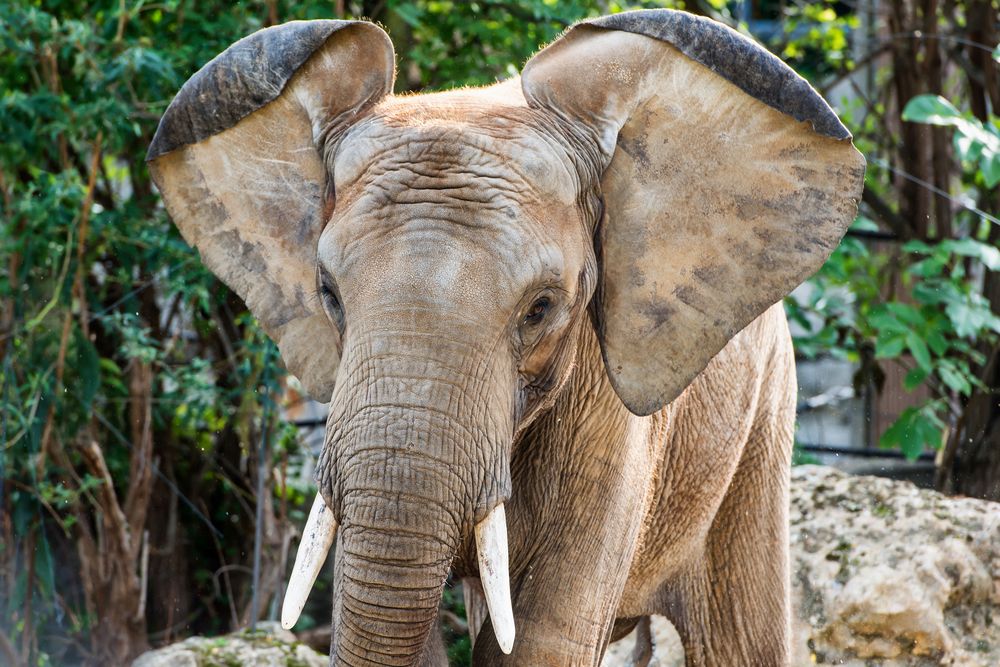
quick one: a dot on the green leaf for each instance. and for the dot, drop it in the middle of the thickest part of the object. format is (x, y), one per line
(88, 367)
(989, 165)
(882, 320)
(938, 343)
(988, 254)
(861, 223)
(936, 110)
(931, 109)
(914, 378)
(44, 569)
(919, 350)
(904, 312)
(918, 247)
(968, 149)
(970, 317)
(954, 379)
(915, 430)
(929, 267)
(889, 345)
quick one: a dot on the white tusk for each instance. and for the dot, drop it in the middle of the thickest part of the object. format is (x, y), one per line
(317, 538)
(491, 547)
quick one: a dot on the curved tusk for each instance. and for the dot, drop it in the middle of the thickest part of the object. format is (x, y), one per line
(491, 548)
(317, 538)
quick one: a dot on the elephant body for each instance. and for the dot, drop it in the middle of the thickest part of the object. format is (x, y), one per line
(682, 513)
(543, 313)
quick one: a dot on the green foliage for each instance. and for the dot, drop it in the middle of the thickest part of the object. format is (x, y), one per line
(915, 430)
(933, 333)
(815, 37)
(976, 143)
(95, 283)
(939, 321)
(459, 645)
(922, 304)
(454, 43)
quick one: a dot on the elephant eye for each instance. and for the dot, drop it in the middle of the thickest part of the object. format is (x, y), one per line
(537, 311)
(328, 295)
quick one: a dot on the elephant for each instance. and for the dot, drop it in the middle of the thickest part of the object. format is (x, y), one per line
(545, 314)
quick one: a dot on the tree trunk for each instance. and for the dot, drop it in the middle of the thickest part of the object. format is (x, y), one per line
(976, 471)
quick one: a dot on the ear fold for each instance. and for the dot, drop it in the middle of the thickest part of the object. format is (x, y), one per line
(240, 158)
(727, 182)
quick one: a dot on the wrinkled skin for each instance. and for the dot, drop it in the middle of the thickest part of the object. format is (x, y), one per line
(459, 265)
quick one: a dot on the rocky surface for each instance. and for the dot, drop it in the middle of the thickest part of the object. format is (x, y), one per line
(270, 646)
(888, 574)
(883, 573)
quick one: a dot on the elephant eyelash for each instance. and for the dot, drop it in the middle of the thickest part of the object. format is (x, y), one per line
(329, 298)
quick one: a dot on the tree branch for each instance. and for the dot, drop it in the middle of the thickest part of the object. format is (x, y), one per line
(884, 213)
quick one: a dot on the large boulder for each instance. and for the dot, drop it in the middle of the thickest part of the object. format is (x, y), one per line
(270, 646)
(886, 573)
(883, 573)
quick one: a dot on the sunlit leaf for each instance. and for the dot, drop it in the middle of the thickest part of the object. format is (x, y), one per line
(986, 253)
(932, 109)
(955, 380)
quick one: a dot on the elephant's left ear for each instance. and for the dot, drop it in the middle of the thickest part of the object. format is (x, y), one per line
(727, 181)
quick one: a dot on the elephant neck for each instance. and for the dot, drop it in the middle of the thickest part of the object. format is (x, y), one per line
(588, 415)
(585, 460)
(590, 390)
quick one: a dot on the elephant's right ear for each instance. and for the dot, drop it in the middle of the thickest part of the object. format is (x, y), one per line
(240, 158)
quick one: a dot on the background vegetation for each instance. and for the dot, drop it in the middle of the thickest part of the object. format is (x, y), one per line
(136, 391)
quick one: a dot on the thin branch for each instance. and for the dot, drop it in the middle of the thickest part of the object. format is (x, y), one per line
(867, 59)
(884, 213)
(938, 191)
(140, 612)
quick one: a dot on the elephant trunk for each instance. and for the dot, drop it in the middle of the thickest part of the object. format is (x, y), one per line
(390, 574)
(416, 464)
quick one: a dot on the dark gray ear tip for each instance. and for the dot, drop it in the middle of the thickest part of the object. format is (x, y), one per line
(159, 146)
(738, 59)
(246, 76)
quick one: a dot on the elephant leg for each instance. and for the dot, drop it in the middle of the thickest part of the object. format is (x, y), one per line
(734, 608)
(643, 651)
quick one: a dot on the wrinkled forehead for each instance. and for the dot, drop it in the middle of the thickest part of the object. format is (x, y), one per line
(461, 142)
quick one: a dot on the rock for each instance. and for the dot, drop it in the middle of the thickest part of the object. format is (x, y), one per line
(270, 646)
(883, 573)
(888, 574)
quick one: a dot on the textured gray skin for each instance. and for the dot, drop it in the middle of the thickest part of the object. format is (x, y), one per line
(238, 81)
(736, 58)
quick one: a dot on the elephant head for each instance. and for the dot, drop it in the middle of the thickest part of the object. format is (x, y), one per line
(425, 263)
